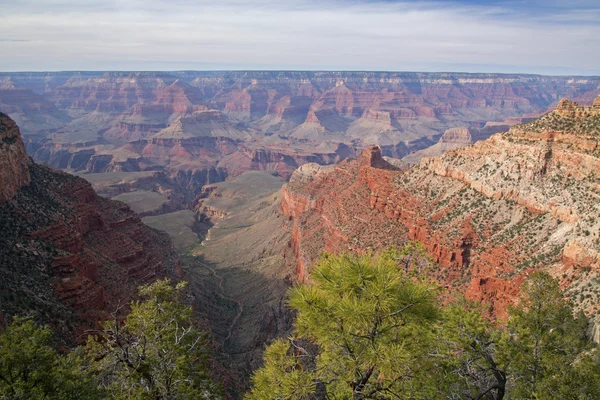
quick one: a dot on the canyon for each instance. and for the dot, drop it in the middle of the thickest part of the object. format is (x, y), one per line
(197, 128)
(250, 176)
(488, 214)
(67, 255)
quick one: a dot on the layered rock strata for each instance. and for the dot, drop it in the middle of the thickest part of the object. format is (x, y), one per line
(99, 122)
(489, 214)
(14, 163)
(66, 254)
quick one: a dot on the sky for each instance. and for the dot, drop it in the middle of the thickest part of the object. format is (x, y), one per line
(552, 37)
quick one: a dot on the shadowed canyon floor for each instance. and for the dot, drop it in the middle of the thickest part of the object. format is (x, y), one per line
(239, 264)
(247, 248)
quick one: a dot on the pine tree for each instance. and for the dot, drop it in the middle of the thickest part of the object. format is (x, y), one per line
(364, 329)
(468, 349)
(542, 353)
(157, 353)
(548, 349)
(371, 328)
(30, 368)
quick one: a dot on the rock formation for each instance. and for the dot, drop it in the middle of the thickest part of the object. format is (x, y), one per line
(488, 214)
(66, 254)
(96, 122)
(453, 138)
(14, 163)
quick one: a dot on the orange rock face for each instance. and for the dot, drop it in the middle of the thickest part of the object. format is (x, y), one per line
(488, 214)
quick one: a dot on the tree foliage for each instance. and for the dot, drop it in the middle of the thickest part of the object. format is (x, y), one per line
(373, 328)
(30, 368)
(468, 347)
(157, 353)
(363, 331)
(547, 343)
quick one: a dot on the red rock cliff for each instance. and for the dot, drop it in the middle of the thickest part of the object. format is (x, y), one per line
(488, 214)
(60, 242)
(14, 163)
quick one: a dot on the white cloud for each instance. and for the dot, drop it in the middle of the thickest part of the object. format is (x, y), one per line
(268, 34)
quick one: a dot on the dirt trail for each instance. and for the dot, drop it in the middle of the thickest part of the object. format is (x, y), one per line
(222, 294)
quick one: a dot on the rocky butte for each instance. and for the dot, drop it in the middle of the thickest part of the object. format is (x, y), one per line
(489, 214)
(66, 254)
(198, 128)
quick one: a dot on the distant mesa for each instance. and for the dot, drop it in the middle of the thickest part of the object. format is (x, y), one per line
(197, 127)
(461, 136)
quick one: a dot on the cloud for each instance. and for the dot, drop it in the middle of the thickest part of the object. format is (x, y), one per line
(329, 34)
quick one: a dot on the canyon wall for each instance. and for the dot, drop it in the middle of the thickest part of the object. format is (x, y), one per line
(201, 127)
(14, 163)
(488, 214)
(66, 254)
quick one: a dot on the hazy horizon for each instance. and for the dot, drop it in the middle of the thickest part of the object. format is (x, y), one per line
(91, 71)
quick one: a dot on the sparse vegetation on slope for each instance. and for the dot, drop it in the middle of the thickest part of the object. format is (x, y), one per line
(587, 123)
(26, 263)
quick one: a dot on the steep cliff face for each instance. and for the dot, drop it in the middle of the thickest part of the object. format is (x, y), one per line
(115, 91)
(14, 163)
(87, 121)
(66, 254)
(489, 214)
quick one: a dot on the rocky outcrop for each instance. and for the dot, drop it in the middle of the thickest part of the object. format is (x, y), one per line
(453, 138)
(567, 108)
(459, 136)
(382, 117)
(67, 254)
(488, 214)
(14, 163)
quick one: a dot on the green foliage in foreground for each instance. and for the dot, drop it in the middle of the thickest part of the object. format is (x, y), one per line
(371, 328)
(156, 353)
(31, 369)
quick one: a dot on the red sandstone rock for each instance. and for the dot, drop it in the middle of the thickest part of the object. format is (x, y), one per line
(487, 214)
(103, 251)
(14, 163)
